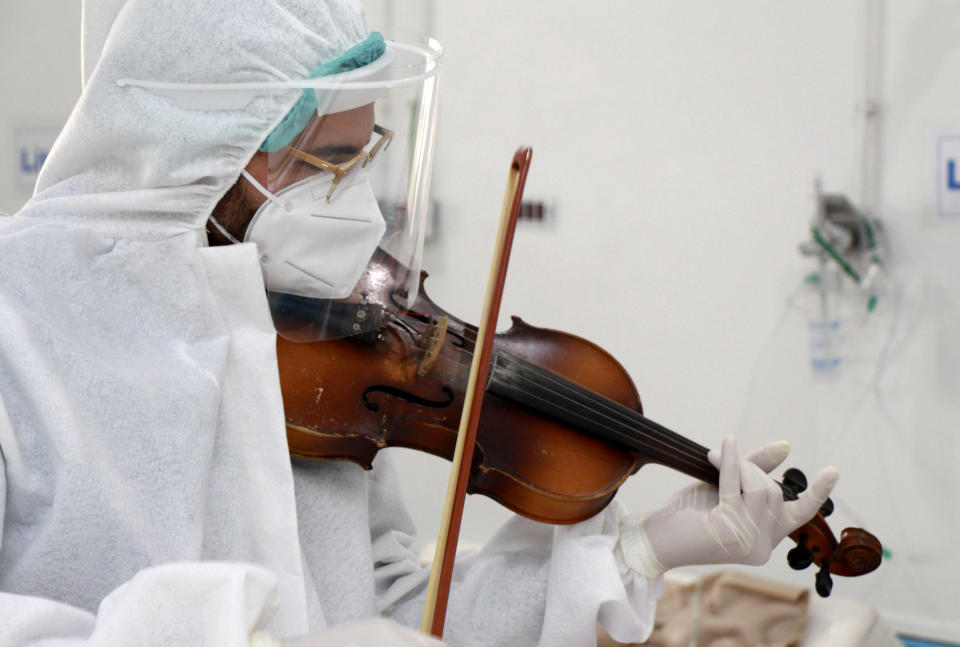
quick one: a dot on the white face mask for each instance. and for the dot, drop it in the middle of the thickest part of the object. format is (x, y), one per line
(313, 248)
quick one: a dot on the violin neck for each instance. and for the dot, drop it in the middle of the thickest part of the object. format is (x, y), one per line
(527, 384)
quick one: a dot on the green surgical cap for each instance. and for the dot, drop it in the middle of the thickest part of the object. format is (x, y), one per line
(296, 120)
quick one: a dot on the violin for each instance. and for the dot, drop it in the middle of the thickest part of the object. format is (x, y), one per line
(560, 430)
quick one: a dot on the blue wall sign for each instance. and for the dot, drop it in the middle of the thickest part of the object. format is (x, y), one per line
(31, 146)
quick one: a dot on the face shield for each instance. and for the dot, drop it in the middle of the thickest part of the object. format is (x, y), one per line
(344, 182)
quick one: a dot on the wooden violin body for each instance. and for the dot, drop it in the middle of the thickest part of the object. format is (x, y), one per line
(560, 430)
(348, 398)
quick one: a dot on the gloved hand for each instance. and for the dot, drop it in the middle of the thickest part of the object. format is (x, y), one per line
(738, 523)
(378, 632)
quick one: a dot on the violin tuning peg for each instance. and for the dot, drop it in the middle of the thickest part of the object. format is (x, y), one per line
(827, 508)
(795, 480)
(800, 556)
(824, 583)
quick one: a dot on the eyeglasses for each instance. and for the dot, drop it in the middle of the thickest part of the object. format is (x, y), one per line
(340, 171)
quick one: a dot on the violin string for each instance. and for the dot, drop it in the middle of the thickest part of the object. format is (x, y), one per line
(614, 412)
(619, 419)
(626, 421)
(695, 452)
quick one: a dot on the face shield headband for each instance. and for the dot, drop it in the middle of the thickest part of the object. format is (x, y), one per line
(342, 183)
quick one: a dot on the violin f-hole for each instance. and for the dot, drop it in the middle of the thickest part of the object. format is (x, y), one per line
(406, 396)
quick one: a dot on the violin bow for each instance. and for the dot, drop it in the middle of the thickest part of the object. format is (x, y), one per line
(438, 589)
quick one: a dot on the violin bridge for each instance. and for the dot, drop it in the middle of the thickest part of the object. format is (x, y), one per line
(431, 344)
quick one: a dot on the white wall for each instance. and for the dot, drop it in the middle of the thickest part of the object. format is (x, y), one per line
(679, 142)
(40, 74)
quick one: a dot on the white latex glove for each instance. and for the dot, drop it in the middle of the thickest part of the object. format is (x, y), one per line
(378, 632)
(738, 523)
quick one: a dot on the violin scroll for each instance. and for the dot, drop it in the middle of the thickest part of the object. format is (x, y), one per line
(858, 552)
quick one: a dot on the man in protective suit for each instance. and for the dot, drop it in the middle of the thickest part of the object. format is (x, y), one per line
(147, 494)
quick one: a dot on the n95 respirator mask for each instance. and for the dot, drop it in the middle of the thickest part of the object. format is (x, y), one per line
(310, 246)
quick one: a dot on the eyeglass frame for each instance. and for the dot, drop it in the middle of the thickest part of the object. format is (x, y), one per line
(340, 171)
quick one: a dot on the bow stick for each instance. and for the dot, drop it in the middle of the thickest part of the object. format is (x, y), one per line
(438, 589)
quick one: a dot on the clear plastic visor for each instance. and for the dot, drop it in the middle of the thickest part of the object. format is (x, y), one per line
(342, 187)
(359, 179)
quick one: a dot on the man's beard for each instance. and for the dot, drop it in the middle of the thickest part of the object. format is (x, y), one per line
(232, 213)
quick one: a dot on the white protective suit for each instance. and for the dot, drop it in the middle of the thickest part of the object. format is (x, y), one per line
(146, 491)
